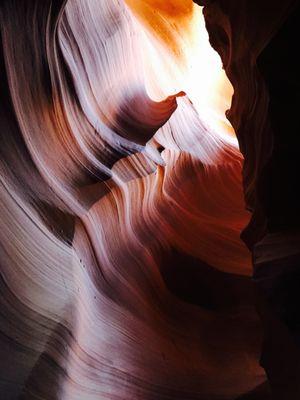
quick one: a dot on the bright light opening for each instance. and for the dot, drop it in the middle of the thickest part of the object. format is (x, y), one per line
(178, 56)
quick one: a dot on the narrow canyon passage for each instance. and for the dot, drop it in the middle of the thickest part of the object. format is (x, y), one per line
(124, 193)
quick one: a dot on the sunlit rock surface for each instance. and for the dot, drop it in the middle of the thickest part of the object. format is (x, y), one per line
(123, 275)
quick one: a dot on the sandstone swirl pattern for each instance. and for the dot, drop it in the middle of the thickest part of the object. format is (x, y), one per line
(122, 272)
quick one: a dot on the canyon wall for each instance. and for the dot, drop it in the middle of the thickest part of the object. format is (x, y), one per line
(124, 193)
(258, 43)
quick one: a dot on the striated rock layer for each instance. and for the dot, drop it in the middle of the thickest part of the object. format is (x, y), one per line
(123, 275)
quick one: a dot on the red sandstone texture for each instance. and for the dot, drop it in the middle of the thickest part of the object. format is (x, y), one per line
(123, 275)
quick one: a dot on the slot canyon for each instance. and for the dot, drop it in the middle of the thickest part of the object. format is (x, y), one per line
(149, 211)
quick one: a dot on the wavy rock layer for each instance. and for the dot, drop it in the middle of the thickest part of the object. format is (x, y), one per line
(122, 272)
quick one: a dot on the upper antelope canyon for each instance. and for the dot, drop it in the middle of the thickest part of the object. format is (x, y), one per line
(149, 211)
